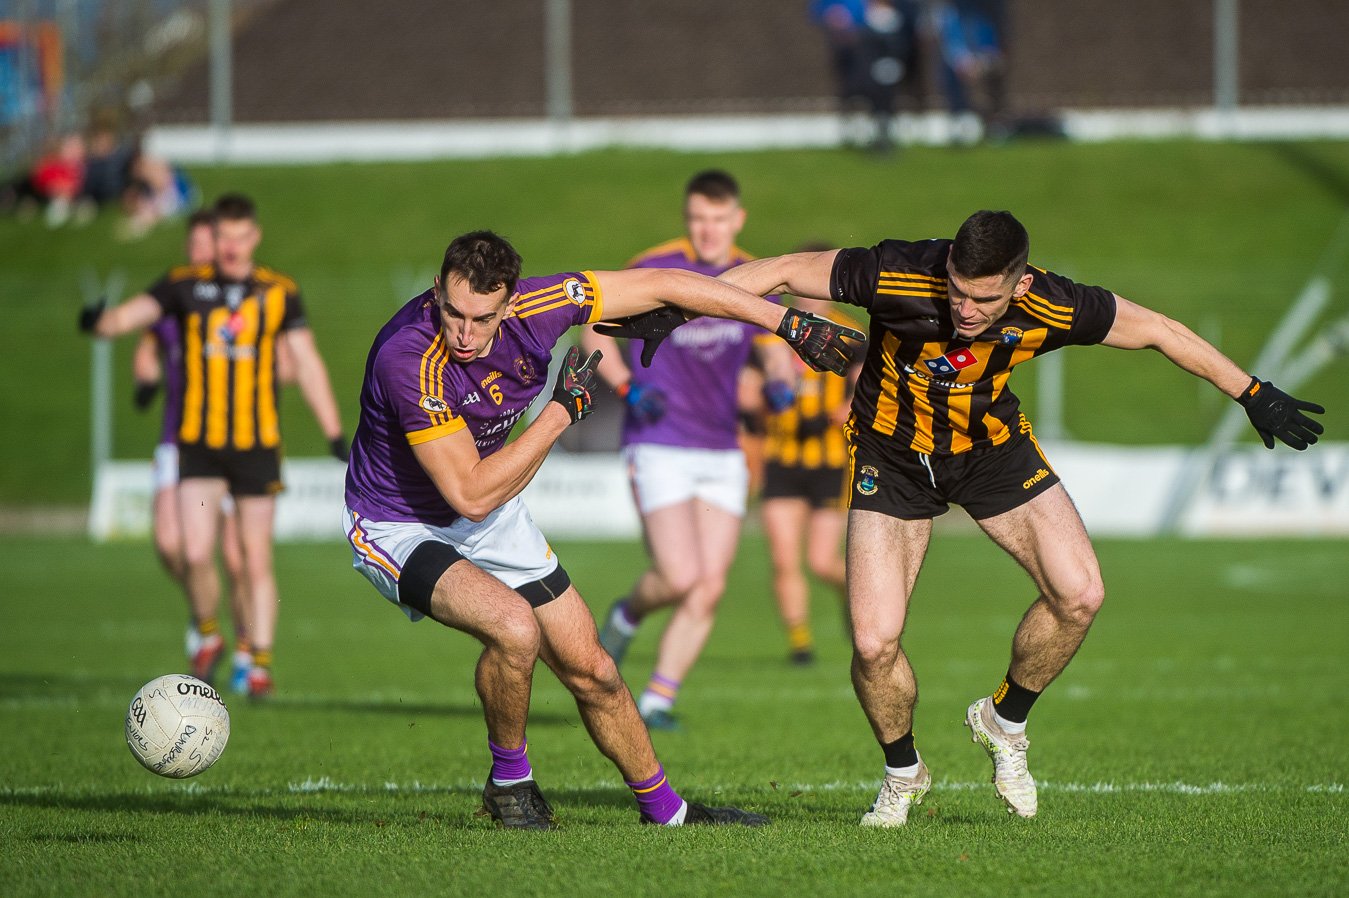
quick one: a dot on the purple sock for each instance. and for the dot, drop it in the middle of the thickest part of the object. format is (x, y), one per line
(510, 765)
(625, 612)
(656, 798)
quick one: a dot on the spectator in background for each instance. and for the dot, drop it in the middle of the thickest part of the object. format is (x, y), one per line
(108, 166)
(969, 34)
(841, 21)
(873, 45)
(157, 190)
(58, 177)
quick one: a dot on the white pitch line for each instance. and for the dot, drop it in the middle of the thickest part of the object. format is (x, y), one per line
(324, 785)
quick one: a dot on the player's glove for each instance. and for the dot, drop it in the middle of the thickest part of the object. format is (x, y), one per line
(574, 383)
(819, 341)
(145, 393)
(1274, 413)
(90, 314)
(778, 395)
(649, 327)
(339, 448)
(645, 403)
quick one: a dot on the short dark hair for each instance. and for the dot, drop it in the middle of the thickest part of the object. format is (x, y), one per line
(714, 184)
(235, 207)
(199, 218)
(990, 243)
(486, 260)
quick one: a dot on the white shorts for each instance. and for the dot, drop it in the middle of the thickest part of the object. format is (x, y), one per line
(668, 475)
(166, 466)
(506, 544)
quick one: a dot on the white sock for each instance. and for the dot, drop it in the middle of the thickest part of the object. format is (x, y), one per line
(906, 773)
(1014, 729)
(650, 701)
(678, 818)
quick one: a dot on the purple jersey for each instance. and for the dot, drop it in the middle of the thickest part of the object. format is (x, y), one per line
(413, 393)
(167, 334)
(697, 367)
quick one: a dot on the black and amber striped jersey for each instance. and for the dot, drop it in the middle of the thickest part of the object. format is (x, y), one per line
(805, 435)
(229, 332)
(922, 386)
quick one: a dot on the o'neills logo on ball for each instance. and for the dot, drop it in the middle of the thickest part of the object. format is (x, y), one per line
(434, 405)
(199, 689)
(575, 292)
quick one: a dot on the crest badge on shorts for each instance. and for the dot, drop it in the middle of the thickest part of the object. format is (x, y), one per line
(866, 482)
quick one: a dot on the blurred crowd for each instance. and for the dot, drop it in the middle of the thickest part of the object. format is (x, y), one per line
(79, 174)
(884, 53)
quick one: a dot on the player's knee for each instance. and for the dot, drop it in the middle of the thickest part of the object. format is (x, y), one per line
(1082, 602)
(593, 678)
(874, 650)
(823, 564)
(517, 637)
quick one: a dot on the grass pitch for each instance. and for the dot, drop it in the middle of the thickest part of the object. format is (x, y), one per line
(1195, 747)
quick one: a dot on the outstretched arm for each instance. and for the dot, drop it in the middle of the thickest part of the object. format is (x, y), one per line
(636, 290)
(136, 314)
(800, 274)
(1273, 413)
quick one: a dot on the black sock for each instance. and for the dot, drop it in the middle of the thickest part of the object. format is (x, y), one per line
(901, 752)
(1013, 701)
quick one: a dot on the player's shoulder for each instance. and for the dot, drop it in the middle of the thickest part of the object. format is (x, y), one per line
(412, 333)
(180, 274)
(539, 294)
(914, 256)
(670, 254)
(270, 277)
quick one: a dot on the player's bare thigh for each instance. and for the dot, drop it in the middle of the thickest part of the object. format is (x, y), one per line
(884, 556)
(784, 522)
(672, 540)
(469, 599)
(199, 516)
(1047, 538)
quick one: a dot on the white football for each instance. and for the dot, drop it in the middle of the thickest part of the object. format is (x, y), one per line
(177, 726)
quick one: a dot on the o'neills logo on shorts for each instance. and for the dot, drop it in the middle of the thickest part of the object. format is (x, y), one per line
(1039, 475)
(866, 483)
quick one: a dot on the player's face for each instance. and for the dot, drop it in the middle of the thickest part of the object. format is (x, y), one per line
(713, 226)
(235, 241)
(978, 302)
(201, 245)
(470, 320)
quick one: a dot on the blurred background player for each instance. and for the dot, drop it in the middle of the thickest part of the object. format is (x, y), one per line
(158, 364)
(680, 439)
(434, 514)
(232, 313)
(805, 492)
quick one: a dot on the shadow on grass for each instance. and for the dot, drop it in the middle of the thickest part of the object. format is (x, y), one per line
(22, 685)
(398, 706)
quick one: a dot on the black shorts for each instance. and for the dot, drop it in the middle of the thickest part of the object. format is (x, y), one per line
(820, 487)
(249, 472)
(901, 483)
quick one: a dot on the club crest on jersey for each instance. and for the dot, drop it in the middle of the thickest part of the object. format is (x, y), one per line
(953, 361)
(1010, 336)
(525, 368)
(866, 483)
(575, 292)
(434, 405)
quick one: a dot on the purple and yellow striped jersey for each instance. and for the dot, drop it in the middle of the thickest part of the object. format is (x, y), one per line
(697, 367)
(229, 331)
(414, 392)
(924, 388)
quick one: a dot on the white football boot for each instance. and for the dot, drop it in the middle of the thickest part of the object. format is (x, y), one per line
(1011, 777)
(896, 797)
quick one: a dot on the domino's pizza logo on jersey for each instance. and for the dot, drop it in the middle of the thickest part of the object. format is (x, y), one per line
(953, 361)
(574, 290)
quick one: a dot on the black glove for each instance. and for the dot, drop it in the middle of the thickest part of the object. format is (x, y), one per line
(145, 393)
(819, 341)
(1274, 413)
(649, 327)
(574, 383)
(90, 314)
(339, 448)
